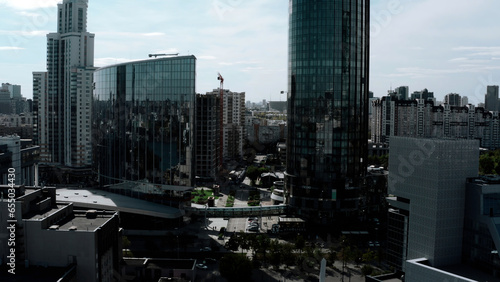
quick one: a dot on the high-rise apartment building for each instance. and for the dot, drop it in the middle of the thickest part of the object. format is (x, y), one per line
(402, 92)
(421, 118)
(234, 128)
(207, 136)
(328, 59)
(40, 117)
(70, 60)
(491, 98)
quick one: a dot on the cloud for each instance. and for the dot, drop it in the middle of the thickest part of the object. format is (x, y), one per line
(26, 33)
(29, 4)
(206, 57)
(153, 34)
(103, 62)
(8, 48)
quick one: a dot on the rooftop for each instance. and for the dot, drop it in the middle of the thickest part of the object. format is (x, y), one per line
(104, 200)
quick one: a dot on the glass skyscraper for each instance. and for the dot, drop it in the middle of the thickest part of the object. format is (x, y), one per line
(328, 64)
(143, 115)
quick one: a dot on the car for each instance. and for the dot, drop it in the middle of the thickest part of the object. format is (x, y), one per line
(253, 218)
(253, 228)
(206, 249)
(201, 266)
(252, 224)
(210, 260)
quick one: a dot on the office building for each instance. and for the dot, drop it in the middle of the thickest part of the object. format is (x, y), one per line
(453, 99)
(328, 60)
(143, 125)
(402, 92)
(20, 155)
(64, 132)
(481, 242)
(207, 136)
(50, 234)
(427, 179)
(491, 98)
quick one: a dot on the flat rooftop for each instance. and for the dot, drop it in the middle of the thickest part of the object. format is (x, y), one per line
(104, 200)
(79, 222)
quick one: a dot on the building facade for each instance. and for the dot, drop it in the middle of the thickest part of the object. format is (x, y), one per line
(482, 224)
(328, 59)
(233, 113)
(423, 178)
(46, 233)
(421, 118)
(70, 60)
(143, 123)
(491, 98)
(207, 136)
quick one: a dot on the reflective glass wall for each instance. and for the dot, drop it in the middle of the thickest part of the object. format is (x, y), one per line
(143, 122)
(327, 104)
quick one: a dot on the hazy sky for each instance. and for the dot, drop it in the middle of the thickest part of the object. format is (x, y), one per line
(442, 45)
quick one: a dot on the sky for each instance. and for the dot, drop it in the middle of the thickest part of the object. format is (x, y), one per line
(446, 46)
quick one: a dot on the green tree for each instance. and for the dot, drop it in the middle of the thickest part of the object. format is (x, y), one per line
(236, 267)
(253, 173)
(486, 164)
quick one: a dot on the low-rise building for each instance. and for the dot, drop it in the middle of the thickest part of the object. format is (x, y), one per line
(51, 234)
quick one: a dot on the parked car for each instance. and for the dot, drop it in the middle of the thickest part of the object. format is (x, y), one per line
(201, 266)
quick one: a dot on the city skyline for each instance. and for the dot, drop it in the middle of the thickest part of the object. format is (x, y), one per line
(415, 43)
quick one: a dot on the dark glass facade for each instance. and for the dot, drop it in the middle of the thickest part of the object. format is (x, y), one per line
(328, 64)
(143, 115)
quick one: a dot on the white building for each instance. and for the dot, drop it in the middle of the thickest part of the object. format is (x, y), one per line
(70, 61)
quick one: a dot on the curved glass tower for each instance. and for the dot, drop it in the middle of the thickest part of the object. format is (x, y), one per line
(328, 65)
(143, 116)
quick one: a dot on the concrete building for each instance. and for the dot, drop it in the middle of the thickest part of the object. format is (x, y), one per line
(429, 198)
(70, 61)
(144, 125)
(40, 115)
(491, 98)
(421, 118)
(402, 92)
(21, 156)
(207, 136)
(49, 234)
(234, 134)
(481, 242)
(465, 101)
(453, 99)
(327, 115)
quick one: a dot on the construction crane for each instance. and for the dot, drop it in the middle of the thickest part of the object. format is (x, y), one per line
(221, 99)
(158, 55)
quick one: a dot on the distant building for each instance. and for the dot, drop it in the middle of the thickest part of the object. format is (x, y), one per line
(233, 123)
(402, 92)
(158, 269)
(207, 136)
(491, 98)
(465, 101)
(453, 99)
(424, 94)
(21, 156)
(421, 118)
(57, 235)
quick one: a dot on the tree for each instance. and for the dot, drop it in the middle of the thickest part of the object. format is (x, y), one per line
(236, 267)
(253, 173)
